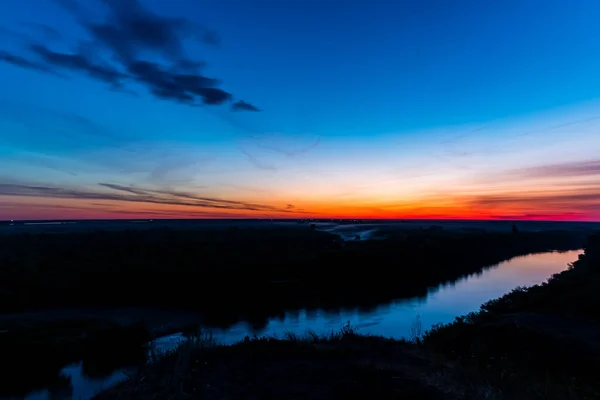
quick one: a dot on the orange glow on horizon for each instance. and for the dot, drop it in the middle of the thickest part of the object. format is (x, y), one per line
(24, 208)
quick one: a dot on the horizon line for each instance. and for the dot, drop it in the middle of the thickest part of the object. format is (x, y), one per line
(292, 219)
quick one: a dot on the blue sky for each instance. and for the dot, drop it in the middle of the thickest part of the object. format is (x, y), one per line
(368, 108)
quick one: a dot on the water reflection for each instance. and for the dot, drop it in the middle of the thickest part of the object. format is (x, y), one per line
(392, 319)
(440, 304)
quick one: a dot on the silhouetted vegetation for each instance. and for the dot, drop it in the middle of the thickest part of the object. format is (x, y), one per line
(205, 269)
(341, 365)
(545, 339)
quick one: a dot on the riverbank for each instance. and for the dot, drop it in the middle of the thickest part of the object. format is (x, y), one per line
(339, 366)
(545, 338)
(536, 343)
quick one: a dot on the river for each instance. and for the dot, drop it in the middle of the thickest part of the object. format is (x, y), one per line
(441, 305)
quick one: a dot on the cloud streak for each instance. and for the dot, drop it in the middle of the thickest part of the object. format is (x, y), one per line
(569, 194)
(568, 199)
(290, 146)
(257, 162)
(243, 106)
(78, 63)
(124, 193)
(25, 63)
(564, 170)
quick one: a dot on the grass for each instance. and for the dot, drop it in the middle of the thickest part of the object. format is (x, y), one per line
(342, 364)
(416, 330)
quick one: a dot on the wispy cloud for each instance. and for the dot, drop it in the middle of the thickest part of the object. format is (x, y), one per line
(23, 62)
(288, 145)
(258, 148)
(127, 189)
(14, 210)
(243, 106)
(258, 163)
(56, 125)
(563, 170)
(79, 146)
(545, 190)
(118, 192)
(566, 199)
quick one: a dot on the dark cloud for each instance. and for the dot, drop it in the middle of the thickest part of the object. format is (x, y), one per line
(122, 188)
(79, 63)
(132, 194)
(243, 106)
(172, 95)
(23, 62)
(177, 194)
(130, 29)
(194, 83)
(177, 86)
(130, 33)
(214, 96)
(94, 207)
(183, 195)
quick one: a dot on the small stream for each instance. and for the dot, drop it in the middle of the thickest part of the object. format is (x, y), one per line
(442, 304)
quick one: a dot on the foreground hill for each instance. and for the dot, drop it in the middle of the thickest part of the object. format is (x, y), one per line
(342, 366)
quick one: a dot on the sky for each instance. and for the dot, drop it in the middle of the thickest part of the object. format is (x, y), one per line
(300, 109)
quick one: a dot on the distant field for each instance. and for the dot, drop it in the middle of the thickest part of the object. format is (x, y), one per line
(332, 226)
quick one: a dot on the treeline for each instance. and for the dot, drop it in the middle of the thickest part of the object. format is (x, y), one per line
(246, 272)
